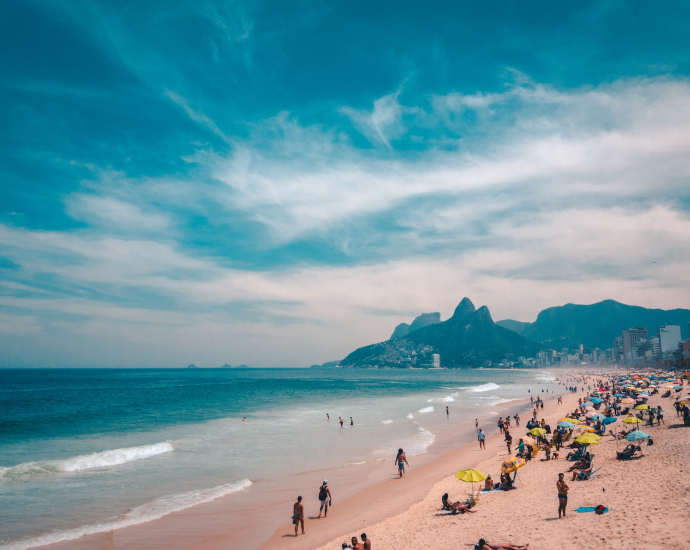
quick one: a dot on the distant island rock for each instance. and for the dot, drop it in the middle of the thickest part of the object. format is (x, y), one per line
(328, 365)
(226, 366)
(424, 320)
(192, 366)
(243, 366)
(470, 338)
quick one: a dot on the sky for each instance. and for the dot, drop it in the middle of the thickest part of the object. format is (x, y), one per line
(277, 184)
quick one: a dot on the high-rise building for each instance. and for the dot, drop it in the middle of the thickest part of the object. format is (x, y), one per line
(617, 350)
(669, 338)
(437, 361)
(655, 346)
(630, 339)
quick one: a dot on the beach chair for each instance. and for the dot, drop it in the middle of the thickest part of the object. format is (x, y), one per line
(473, 499)
(584, 477)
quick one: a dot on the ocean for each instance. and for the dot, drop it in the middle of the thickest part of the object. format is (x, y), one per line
(91, 450)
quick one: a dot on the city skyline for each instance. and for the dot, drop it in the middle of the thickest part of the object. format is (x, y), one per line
(279, 184)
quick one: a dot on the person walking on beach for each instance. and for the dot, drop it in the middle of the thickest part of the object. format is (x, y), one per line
(517, 420)
(340, 419)
(324, 498)
(560, 401)
(562, 487)
(480, 438)
(447, 412)
(660, 416)
(509, 441)
(500, 424)
(328, 416)
(476, 424)
(298, 514)
(401, 460)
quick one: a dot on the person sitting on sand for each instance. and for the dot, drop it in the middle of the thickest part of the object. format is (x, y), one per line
(355, 544)
(581, 474)
(484, 545)
(506, 482)
(488, 483)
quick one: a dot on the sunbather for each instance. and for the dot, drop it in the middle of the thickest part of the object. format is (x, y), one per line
(455, 507)
(484, 545)
(488, 483)
(581, 474)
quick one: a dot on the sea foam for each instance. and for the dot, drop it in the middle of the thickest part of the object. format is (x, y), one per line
(426, 410)
(485, 387)
(103, 459)
(154, 510)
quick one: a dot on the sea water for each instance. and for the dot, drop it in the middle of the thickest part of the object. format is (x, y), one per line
(90, 450)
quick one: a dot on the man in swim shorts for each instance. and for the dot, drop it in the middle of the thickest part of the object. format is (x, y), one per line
(324, 498)
(562, 487)
(480, 438)
(401, 460)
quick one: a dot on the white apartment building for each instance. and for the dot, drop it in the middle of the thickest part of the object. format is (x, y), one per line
(669, 338)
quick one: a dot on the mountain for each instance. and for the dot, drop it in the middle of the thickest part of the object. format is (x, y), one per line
(595, 325)
(424, 320)
(468, 338)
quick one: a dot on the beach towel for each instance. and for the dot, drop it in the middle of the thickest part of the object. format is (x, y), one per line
(584, 509)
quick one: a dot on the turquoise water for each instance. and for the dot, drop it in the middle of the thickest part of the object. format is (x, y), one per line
(85, 451)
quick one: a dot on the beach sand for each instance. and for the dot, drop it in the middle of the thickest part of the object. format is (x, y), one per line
(648, 500)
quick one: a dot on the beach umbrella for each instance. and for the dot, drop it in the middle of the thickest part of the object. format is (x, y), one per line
(571, 420)
(618, 395)
(641, 407)
(588, 439)
(633, 420)
(627, 401)
(565, 424)
(643, 394)
(609, 420)
(637, 435)
(586, 404)
(597, 400)
(537, 431)
(598, 417)
(470, 476)
(513, 464)
(677, 387)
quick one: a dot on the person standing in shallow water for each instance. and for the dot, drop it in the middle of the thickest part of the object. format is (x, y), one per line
(352, 422)
(401, 460)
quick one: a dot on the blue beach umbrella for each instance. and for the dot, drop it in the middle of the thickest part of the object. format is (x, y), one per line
(608, 420)
(618, 395)
(586, 404)
(567, 425)
(596, 417)
(597, 400)
(637, 435)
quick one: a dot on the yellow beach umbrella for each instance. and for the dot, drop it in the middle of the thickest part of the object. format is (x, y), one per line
(537, 431)
(588, 439)
(633, 420)
(571, 420)
(513, 464)
(470, 476)
(641, 407)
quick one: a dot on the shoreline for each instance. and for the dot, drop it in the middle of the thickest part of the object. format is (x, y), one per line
(247, 522)
(394, 497)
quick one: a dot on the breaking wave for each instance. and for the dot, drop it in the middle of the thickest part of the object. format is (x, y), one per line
(103, 459)
(485, 387)
(426, 410)
(154, 510)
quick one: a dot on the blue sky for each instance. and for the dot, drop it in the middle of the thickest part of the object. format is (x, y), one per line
(279, 183)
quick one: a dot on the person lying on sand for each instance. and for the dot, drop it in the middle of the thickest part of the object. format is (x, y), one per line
(484, 545)
(455, 507)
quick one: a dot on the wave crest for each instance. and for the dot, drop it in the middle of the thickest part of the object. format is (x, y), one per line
(79, 463)
(485, 387)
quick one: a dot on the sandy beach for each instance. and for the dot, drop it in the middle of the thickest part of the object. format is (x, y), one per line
(648, 501)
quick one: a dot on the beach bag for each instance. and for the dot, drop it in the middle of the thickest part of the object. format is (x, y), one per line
(599, 509)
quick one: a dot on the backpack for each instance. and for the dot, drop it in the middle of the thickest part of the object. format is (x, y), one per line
(322, 493)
